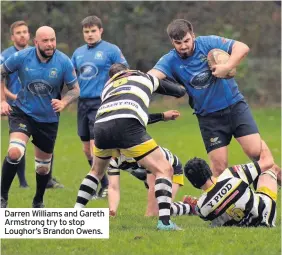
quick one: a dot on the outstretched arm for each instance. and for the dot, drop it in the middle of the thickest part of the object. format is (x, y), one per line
(169, 88)
(164, 116)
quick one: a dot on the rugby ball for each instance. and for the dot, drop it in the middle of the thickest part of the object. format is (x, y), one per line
(218, 56)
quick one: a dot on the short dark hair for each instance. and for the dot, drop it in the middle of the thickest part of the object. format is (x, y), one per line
(91, 21)
(115, 68)
(178, 28)
(17, 24)
(197, 171)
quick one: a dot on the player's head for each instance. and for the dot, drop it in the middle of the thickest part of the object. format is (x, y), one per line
(180, 32)
(197, 172)
(115, 68)
(19, 34)
(45, 41)
(92, 29)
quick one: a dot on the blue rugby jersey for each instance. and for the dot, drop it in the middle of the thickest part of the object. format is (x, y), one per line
(41, 82)
(13, 82)
(92, 64)
(206, 93)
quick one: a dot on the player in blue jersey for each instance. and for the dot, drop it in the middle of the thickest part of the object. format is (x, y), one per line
(20, 37)
(221, 109)
(43, 71)
(92, 62)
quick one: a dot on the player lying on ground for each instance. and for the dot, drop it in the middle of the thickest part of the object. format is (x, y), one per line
(120, 126)
(131, 166)
(228, 200)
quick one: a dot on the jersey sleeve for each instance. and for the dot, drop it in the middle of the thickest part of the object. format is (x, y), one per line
(247, 172)
(117, 56)
(113, 168)
(217, 42)
(69, 74)
(163, 65)
(13, 63)
(74, 61)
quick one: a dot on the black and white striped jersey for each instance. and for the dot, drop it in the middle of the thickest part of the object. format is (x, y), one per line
(130, 165)
(127, 95)
(231, 201)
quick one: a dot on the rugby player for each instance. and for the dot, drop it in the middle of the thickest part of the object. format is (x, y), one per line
(228, 199)
(92, 62)
(120, 126)
(43, 71)
(220, 107)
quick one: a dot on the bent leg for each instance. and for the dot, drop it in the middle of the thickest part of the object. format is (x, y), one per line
(90, 183)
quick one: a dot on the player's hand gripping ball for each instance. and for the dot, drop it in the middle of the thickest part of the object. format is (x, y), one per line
(218, 56)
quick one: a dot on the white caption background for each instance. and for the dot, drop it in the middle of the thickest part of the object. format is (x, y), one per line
(54, 223)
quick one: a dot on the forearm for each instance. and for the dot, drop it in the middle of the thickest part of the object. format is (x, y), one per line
(239, 52)
(3, 96)
(155, 117)
(9, 94)
(169, 88)
(71, 95)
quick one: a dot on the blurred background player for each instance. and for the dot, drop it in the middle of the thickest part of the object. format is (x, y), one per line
(120, 126)
(228, 200)
(20, 37)
(42, 70)
(92, 62)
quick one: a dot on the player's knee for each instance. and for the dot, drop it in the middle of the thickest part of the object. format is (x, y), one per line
(42, 166)
(16, 151)
(218, 166)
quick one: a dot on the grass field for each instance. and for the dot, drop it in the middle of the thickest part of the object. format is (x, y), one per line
(130, 232)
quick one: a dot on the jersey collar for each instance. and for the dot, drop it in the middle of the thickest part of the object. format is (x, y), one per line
(93, 45)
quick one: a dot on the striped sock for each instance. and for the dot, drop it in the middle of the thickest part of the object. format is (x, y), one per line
(179, 208)
(163, 193)
(86, 190)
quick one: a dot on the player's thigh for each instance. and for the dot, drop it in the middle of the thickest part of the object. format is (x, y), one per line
(44, 136)
(215, 129)
(100, 166)
(251, 145)
(245, 129)
(156, 163)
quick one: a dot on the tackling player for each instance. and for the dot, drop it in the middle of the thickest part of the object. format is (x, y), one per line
(121, 126)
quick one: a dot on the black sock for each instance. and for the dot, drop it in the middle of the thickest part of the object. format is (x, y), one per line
(8, 174)
(104, 181)
(41, 182)
(21, 172)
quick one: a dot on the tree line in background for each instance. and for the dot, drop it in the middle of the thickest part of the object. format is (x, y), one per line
(139, 29)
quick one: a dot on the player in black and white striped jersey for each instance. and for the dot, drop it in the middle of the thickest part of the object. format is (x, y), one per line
(131, 166)
(120, 126)
(228, 200)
